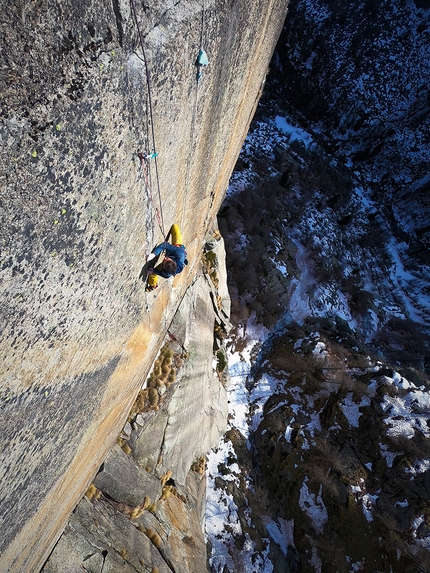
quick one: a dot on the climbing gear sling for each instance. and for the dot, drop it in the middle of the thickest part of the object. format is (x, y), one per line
(202, 60)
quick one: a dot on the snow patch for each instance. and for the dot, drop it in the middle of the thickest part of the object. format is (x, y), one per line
(313, 506)
(351, 410)
(281, 531)
(295, 133)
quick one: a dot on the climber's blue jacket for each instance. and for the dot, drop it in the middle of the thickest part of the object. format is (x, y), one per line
(175, 252)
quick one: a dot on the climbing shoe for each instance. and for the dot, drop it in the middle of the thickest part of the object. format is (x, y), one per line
(150, 288)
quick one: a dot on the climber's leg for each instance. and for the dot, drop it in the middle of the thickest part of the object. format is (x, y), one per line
(176, 235)
(152, 280)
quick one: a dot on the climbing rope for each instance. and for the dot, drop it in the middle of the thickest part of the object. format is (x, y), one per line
(202, 60)
(142, 158)
(152, 155)
(203, 25)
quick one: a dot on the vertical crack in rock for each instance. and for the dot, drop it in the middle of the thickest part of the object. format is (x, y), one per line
(119, 20)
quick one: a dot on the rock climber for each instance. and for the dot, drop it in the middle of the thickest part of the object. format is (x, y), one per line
(175, 259)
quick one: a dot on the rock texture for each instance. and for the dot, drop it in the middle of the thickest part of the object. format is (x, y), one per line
(149, 511)
(124, 481)
(77, 219)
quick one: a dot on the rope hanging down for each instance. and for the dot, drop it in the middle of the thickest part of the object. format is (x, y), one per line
(142, 157)
(154, 154)
(202, 60)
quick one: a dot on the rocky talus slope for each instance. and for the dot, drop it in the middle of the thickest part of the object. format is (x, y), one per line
(343, 449)
(334, 473)
(77, 342)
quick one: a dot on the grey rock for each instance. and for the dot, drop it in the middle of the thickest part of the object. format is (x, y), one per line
(127, 429)
(210, 243)
(99, 538)
(219, 249)
(124, 481)
(124, 9)
(423, 531)
(76, 339)
(146, 443)
(199, 404)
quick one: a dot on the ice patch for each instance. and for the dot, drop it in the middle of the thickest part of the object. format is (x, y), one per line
(407, 414)
(401, 382)
(404, 503)
(288, 431)
(368, 503)
(281, 531)
(420, 539)
(320, 349)
(419, 467)
(389, 456)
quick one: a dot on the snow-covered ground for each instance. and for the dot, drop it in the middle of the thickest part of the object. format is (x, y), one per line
(222, 519)
(398, 292)
(386, 101)
(406, 408)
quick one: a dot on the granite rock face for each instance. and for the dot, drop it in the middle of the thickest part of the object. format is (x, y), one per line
(77, 219)
(124, 481)
(150, 504)
(195, 415)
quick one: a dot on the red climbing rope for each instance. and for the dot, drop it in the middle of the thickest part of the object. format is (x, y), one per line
(142, 158)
